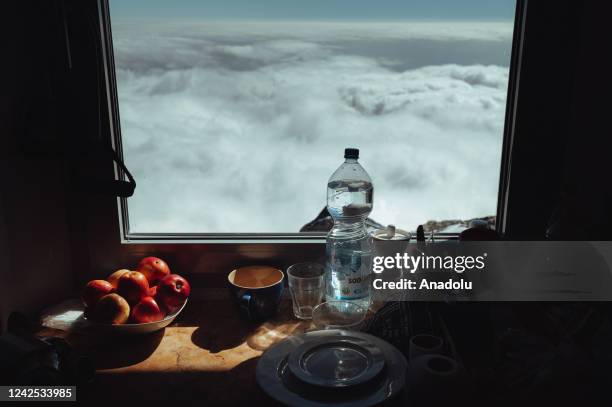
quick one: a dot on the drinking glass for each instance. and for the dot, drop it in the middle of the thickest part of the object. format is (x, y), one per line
(306, 285)
(339, 315)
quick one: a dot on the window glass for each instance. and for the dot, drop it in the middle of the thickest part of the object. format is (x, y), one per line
(234, 113)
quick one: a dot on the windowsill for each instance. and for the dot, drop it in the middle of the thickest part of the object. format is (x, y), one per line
(246, 239)
(205, 355)
(222, 238)
(208, 354)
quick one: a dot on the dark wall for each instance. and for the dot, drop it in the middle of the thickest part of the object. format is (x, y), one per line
(560, 163)
(50, 163)
(588, 149)
(35, 259)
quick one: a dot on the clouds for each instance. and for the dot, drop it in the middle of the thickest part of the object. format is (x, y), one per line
(236, 128)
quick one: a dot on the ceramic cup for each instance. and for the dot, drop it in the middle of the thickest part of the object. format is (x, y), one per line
(256, 290)
(424, 344)
(390, 241)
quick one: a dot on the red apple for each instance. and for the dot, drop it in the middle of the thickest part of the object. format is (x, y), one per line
(133, 286)
(152, 291)
(154, 269)
(111, 309)
(114, 278)
(172, 291)
(94, 290)
(146, 310)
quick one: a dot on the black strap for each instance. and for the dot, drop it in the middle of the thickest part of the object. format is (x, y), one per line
(94, 154)
(120, 188)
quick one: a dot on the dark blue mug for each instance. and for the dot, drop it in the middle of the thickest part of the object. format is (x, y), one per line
(257, 291)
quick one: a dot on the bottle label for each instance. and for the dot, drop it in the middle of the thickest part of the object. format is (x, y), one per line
(348, 271)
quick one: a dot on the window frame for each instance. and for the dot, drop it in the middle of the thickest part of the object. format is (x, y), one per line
(308, 238)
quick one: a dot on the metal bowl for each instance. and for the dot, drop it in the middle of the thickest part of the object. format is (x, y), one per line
(134, 329)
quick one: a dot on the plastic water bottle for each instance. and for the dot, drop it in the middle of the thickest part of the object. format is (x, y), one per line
(349, 246)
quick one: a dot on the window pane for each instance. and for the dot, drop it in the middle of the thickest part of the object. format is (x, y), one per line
(234, 113)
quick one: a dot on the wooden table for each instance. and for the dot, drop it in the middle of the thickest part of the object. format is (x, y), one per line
(206, 357)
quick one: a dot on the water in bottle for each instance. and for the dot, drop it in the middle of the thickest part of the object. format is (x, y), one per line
(348, 244)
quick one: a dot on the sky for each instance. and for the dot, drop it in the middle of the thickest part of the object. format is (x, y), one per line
(318, 9)
(237, 126)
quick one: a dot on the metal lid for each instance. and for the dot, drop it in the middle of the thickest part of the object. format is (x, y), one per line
(391, 233)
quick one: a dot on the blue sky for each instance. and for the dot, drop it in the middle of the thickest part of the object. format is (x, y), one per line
(317, 9)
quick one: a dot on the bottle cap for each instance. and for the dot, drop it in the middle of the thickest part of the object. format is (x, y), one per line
(351, 153)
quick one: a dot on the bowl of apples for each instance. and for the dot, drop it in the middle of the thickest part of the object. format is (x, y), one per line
(136, 301)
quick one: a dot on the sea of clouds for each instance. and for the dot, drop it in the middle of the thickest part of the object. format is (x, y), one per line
(236, 127)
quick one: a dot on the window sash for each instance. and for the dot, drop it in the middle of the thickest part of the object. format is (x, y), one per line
(127, 237)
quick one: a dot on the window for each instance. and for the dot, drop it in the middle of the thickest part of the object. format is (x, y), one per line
(233, 114)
